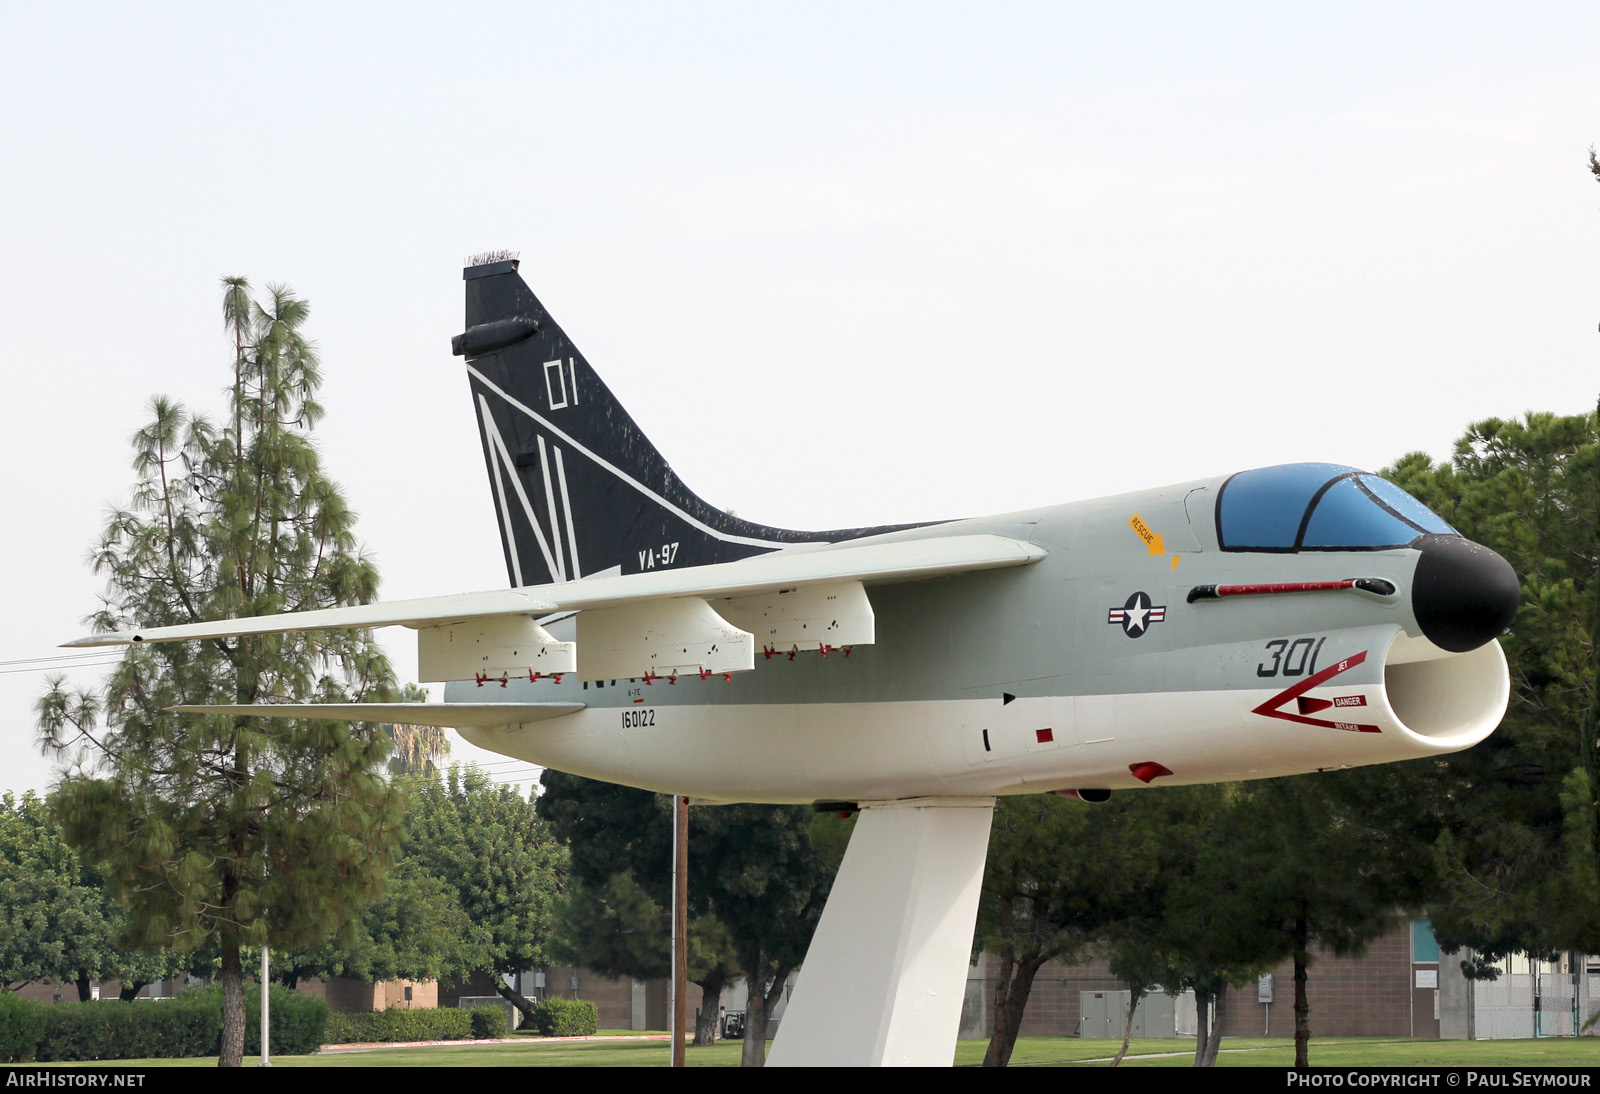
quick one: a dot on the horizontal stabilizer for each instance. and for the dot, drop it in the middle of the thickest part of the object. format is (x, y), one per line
(454, 715)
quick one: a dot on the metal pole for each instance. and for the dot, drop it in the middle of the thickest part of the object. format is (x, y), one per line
(680, 927)
(1574, 963)
(672, 982)
(266, 1048)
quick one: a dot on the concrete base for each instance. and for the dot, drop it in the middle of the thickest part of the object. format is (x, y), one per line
(884, 979)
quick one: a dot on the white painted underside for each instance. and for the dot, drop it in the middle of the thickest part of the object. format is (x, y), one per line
(858, 751)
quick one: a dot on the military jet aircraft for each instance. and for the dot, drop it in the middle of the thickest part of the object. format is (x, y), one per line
(1279, 620)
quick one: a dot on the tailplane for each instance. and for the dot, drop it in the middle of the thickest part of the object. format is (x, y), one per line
(579, 489)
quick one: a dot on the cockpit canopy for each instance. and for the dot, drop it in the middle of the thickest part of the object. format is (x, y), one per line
(1319, 507)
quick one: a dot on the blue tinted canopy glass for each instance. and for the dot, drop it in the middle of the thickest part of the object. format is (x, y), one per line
(1318, 506)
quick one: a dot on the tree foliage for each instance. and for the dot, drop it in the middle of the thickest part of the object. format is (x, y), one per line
(1328, 861)
(616, 930)
(619, 930)
(1059, 873)
(216, 829)
(1201, 887)
(488, 844)
(617, 917)
(51, 924)
(1180, 932)
(756, 887)
(1517, 847)
(417, 930)
(767, 885)
(415, 750)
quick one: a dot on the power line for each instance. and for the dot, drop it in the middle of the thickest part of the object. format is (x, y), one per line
(55, 668)
(59, 657)
(499, 763)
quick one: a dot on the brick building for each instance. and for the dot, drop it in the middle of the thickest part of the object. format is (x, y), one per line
(1371, 995)
(1399, 988)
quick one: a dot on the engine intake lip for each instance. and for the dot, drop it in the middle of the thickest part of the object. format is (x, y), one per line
(1446, 701)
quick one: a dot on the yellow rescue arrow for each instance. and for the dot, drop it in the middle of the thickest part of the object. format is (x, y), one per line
(1151, 539)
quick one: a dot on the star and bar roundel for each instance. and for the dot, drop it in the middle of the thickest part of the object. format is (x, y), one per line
(1137, 615)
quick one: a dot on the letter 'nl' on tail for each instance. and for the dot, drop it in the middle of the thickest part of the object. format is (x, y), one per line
(579, 489)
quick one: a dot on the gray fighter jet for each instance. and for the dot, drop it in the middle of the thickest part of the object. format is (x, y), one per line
(1280, 620)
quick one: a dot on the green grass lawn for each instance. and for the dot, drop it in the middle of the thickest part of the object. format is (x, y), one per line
(1340, 1052)
(520, 1051)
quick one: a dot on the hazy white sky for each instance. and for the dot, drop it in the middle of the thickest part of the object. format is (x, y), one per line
(846, 263)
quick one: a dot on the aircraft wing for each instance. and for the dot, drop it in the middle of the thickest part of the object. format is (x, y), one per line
(424, 612)
(701, 618)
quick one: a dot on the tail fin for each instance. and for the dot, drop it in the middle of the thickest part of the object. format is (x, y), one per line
(579, 489)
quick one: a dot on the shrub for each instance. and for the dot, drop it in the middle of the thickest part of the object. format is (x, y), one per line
(566, 1018)
(21, 1027)
(351, 1027)
(490, 1021)
(190, 1025)
(400, 1024)
(299, 1022)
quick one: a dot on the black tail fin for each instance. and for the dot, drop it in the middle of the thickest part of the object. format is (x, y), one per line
(579, 488)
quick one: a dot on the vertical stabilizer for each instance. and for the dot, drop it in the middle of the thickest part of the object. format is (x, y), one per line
(579, 489)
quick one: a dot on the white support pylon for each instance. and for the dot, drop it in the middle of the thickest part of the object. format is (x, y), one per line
(886, 973)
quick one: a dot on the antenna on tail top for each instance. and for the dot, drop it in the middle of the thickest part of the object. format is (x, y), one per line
(484, 258)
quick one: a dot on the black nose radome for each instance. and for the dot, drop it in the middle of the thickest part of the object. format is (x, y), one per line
(1463, 594)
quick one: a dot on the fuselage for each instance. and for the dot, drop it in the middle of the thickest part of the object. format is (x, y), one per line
(1099, 667)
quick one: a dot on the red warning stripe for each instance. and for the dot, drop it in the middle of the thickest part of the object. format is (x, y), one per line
(1271, 708)
(1377, 586)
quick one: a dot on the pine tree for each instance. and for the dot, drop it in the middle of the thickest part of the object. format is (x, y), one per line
(1330, 860)
(220, 831)
(1517, 847)
(1059, 873)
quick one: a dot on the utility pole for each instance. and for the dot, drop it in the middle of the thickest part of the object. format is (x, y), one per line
(680, 926)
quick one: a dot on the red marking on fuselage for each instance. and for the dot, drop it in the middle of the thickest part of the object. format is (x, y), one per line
(1271, 708)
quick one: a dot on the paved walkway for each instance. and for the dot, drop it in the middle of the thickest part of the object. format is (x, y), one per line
(379, 1046)
(1166, 1055)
